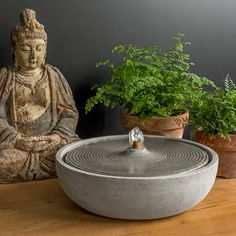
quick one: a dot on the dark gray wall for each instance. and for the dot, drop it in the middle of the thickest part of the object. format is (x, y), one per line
(81, 32)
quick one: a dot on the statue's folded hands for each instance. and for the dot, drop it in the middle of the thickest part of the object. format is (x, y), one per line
(38, 144)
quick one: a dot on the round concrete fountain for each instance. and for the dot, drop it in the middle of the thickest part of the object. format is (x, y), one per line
(125, 178)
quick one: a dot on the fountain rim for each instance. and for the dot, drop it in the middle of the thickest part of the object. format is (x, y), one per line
(69, 147)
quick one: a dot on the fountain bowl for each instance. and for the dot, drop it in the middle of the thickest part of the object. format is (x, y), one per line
(136, 197)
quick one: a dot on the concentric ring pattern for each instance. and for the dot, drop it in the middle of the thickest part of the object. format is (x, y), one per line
(164, 157)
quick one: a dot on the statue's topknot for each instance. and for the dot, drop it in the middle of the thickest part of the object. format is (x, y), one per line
(29, 28)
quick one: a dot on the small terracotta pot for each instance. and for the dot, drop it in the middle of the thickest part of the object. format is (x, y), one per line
(165, 126)
(226, 149)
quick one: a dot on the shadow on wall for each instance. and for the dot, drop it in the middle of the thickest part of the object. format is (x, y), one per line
(5, 51)
(100, 121)
(93, 123)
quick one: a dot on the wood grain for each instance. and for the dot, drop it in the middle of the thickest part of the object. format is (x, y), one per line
(41, 208)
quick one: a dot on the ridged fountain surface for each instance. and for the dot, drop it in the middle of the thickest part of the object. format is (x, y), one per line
(124, 177)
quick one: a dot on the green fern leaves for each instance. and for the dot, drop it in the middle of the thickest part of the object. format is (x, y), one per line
(149, 81)
(215, 112)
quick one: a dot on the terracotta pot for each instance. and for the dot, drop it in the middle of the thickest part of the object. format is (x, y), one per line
(165, 126)
(226, 150)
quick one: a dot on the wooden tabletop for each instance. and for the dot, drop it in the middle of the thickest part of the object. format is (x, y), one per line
(42, 208)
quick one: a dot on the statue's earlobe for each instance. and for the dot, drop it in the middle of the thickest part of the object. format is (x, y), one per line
(14, 58)
(15, 61)
(44, 62)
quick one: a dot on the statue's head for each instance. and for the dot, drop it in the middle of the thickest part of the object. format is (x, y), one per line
(29, 42)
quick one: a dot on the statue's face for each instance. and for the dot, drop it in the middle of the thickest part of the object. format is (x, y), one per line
(30, 54)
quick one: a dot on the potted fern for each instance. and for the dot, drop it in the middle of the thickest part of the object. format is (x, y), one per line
(213, 117)
(154, 87)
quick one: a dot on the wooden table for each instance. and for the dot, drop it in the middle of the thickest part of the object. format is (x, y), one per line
(41, 208)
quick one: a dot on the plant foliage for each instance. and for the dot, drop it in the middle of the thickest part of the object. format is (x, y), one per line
(149, 81)
(215, 112)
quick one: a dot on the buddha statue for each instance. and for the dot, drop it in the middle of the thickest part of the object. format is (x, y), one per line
(37, 111)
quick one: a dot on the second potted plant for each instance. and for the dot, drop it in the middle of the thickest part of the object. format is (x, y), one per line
(213, 117)
(154, 87)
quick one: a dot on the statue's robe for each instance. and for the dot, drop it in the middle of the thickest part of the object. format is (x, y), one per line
(59, 117)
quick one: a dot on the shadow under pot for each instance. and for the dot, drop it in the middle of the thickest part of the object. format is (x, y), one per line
(225, 148)
(166, 126)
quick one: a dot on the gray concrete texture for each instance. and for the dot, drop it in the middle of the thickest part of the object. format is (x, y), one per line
(134, 195)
